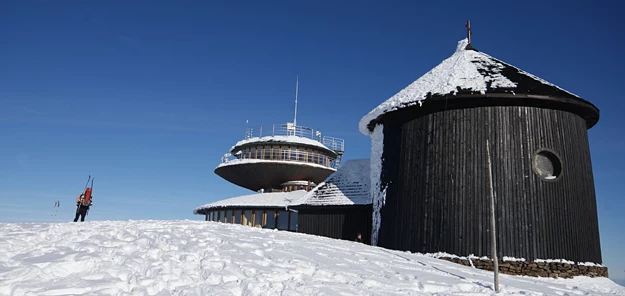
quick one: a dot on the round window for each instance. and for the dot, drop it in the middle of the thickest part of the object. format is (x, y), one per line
(547, 165)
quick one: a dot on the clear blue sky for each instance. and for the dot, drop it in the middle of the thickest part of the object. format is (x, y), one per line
(148, 95)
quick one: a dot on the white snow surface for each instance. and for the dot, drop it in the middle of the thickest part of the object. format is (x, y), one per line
(460, 70)
(513, 259)
(554, 261)
(590, 264)
(269, 199)
(209, 258)
(447, 255)
(282, 139)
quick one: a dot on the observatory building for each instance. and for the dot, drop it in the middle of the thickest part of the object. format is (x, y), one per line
(283, 157)
(299, 181)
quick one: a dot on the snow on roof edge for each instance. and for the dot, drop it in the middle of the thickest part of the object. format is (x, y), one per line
(269, 199)
(282, 139)
(450, 76)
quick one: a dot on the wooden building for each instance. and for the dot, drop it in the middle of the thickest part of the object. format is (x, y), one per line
(430, 173)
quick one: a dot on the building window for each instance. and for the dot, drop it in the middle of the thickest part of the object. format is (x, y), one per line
(283, 220)
(293, 155)
(285, 154)
(247, 218)
(275, 153)
(266, 152)
(228, 216)
(300, 155)
(270, 220)
(236, 219)
(293, 221)
(257, 218)
(547, 165)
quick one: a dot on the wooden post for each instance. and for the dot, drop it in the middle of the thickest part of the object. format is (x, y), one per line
(492, 220)
(468, 26)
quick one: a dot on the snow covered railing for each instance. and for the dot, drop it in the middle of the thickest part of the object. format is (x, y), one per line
(277, 154)
(335, 144)
(290, 129)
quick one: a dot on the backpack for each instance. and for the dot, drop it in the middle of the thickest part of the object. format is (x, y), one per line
(85, 199)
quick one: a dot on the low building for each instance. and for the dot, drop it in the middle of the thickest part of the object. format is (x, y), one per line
(300, 182)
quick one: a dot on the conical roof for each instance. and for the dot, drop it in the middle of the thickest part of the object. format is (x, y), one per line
(468, 72)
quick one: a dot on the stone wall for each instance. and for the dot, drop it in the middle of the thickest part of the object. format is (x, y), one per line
(538, 269)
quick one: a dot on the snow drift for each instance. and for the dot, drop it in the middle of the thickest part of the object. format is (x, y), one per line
(207, 258)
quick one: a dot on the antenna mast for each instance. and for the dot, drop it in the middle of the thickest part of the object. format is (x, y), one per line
(296, 93)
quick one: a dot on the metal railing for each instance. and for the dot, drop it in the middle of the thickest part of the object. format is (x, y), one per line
(276, 154)
(290, 129)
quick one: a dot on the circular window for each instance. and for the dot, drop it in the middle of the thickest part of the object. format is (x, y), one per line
(547, 165)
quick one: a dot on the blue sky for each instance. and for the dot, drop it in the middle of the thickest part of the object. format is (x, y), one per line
(148, 95)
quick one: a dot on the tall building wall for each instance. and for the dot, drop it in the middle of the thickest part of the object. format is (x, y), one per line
(437, 197)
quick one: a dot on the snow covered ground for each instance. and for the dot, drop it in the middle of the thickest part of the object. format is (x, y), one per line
(209, 258)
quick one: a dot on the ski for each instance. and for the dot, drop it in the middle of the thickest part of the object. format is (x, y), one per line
(88, 182)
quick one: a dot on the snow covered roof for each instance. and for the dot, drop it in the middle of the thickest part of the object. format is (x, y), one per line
(349, 185)
(282, 140)
(467, 71)
(269, 199)
(248, 160)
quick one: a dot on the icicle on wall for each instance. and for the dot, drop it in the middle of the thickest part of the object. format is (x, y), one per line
(378, 194)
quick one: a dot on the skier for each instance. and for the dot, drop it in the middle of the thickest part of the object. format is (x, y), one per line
(83, 202)
(57, 205)
(82, 207)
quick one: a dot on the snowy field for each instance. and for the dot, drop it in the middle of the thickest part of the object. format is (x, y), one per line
(208, 258)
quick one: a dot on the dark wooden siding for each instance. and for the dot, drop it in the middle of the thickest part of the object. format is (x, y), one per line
(437, 199)
(336, 222)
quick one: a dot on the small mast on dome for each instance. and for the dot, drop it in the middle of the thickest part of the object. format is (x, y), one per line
(469, 33)
(296, 93)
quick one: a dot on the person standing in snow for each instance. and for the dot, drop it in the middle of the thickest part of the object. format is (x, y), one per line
(359, 237)
(82, 207)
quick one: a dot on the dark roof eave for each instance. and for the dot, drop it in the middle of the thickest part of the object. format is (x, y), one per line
(330, 206)
(298, 206)
(579, 106)
(237, 207)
